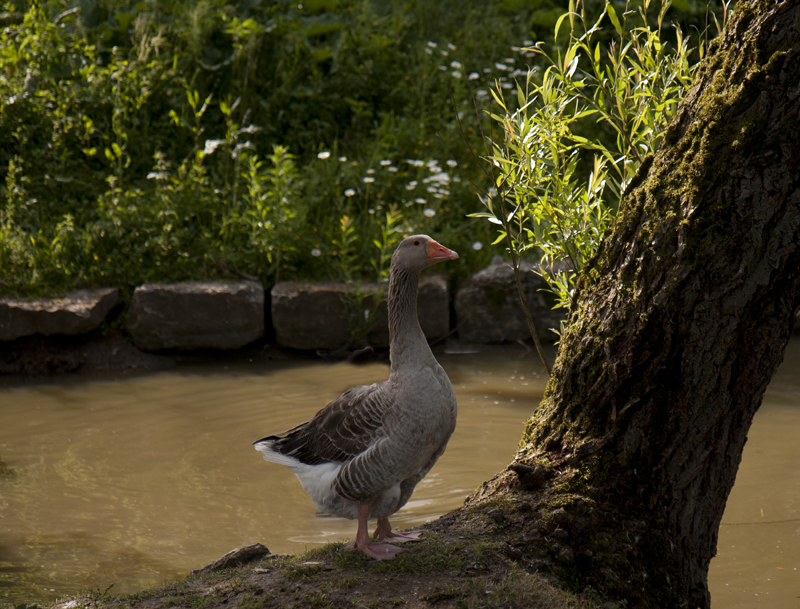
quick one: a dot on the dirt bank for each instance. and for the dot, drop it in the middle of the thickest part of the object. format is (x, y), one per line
(451, 568)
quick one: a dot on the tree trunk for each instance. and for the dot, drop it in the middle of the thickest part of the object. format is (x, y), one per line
(676, 328)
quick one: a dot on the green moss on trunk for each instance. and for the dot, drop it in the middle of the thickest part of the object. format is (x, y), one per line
(676, 327)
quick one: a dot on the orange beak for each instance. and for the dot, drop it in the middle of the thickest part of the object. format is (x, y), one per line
(438, 252)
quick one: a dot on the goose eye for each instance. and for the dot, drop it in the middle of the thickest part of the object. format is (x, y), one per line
(416, 242)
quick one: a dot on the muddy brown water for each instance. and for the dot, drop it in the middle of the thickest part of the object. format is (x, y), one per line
(136, 480)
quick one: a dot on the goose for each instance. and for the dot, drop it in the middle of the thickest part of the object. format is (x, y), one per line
(361, 456)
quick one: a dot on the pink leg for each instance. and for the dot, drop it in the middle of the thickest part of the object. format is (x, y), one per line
(379, 551)
(384, 532)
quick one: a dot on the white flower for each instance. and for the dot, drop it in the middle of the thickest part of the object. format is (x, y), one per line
(473, 76)
(501, 66)
(212, 145)
(157, 175)
(370, 210)
(248, 145)
(432, 45)
(370, 171)
(415, 162)
(506, 85)
(349, 192)
(442, 68)
(324, 155)
(428, 51)
(250, 129)
(443, 52)
(451, 46)
(455, 64)
(316, 252)
(477, 246)
(392, 169)
(342, 159)
(368, 180)
(411, 185)
(509, 60)
(515, 49)
(455, 74)
(420, 200)
(452, 163)
(429, 212)
(385, 163)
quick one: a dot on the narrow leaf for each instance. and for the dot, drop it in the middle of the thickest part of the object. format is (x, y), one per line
(501, 236)
(614, 19)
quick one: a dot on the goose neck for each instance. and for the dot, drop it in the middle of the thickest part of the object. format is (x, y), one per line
(405, 334)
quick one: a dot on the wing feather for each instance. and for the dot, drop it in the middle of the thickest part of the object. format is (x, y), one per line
(345, 428)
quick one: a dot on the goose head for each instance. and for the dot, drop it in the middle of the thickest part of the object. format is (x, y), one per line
(418, 252)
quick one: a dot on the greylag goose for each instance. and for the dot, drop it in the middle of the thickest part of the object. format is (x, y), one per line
(362, 455)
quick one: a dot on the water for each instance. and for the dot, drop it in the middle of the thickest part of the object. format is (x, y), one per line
(135, 481)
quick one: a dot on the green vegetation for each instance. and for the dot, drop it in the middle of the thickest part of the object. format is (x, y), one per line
(176, 140)
(580, 131)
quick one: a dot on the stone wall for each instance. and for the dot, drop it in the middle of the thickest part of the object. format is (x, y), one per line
(230, 315)
(67, 334)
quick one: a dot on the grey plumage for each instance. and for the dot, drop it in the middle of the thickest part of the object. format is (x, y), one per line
(373, 444)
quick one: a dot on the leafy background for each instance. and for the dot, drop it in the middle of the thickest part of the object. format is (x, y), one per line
(174, 140)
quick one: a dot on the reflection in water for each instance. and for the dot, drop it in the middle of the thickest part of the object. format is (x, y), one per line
(136, 481)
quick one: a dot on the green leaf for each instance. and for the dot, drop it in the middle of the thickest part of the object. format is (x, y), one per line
(614, 19)
(500, 237)
(558, 25)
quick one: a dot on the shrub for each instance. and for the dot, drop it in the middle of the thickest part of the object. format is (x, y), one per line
(559, 177)
(177, 140)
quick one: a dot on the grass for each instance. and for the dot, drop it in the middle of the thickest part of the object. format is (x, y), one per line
(446, 570)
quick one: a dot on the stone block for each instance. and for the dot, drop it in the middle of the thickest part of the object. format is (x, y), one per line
(329, 316)
(196, 315)
(78, 312)
(488, 309)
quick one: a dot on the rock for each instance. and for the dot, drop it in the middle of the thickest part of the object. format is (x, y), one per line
(496, 515)
(488, 310)
(560, 516)
(196, 315)
(76, 313)
(235, 558)
(531, 477)
(330, 316)
(309, 315)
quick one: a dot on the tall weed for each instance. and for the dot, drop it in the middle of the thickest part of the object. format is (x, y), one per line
(583, 125)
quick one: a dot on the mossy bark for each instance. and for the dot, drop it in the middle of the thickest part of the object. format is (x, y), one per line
(676, 328)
